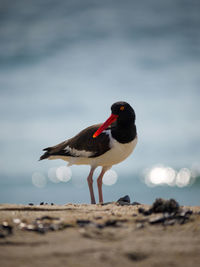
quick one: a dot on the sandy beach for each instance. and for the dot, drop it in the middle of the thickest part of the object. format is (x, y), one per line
(98, 235)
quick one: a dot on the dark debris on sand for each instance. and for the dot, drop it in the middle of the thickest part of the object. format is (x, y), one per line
(168, 212)
(41, 204)
(164, 212)
(125, 201)
(107, 223)
(5, 230)
(42, 225)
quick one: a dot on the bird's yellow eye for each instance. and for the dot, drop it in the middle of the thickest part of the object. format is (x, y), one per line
(122, 108)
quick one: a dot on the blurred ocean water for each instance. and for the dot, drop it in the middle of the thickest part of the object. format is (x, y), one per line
(62, 65)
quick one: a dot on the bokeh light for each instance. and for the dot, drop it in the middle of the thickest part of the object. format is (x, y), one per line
(39, 180)
(161, 175)
(52, 175)
(110, 177)
(63, 173)
(183, 177)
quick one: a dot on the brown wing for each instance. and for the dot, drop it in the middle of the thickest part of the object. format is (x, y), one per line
(81, 144)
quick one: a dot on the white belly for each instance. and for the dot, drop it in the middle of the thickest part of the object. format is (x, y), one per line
(116, 154)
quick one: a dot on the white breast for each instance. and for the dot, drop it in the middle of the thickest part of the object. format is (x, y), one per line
(116, 154)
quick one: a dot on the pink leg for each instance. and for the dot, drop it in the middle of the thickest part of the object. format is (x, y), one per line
(99, 183)
(90, 184)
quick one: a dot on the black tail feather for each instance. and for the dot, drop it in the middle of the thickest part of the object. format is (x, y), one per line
(54, 150)
(46, 149)
(45, 155)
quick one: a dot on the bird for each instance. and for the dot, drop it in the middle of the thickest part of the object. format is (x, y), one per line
(104, 145)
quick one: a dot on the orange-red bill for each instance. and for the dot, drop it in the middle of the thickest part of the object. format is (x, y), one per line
(105, 125)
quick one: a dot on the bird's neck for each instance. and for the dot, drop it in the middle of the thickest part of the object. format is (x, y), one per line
(124, 131)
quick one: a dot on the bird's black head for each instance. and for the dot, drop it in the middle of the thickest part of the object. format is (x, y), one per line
(123, 110)
(122, 120)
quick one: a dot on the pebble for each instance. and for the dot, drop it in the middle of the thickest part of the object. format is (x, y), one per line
(83, 223)
(47, 218)
(170, 222)
(106, 203)
(5, 230)
(140, 225)
(124, 199)
(123, 203)
(111, 223)
(145, 212)
(157, 219)
(16, 220)
(135, 203)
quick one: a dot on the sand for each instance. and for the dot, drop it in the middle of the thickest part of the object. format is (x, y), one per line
(96, 235)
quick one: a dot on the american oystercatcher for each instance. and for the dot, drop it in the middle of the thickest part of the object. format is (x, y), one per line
(100, 145)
